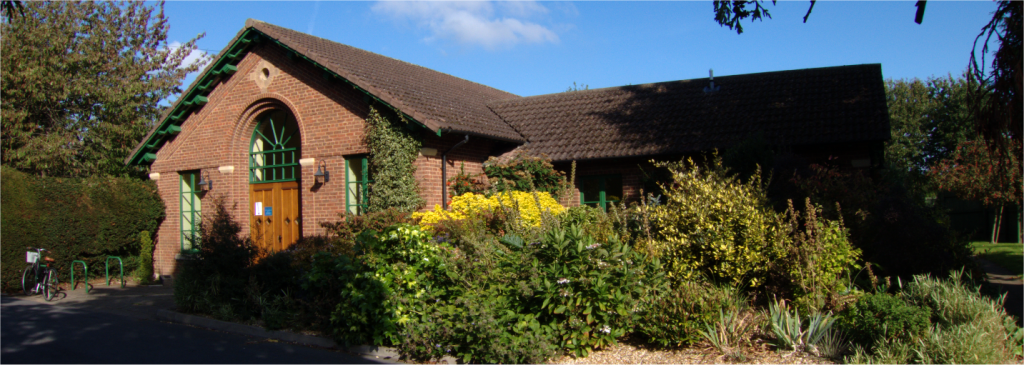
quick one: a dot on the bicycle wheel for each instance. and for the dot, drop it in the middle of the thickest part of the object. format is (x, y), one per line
(52, 285)
(28, 281)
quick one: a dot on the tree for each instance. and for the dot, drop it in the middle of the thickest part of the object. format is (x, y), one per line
(729, 13)
(82, 82)
(998, 106)
(995, 102)
(10, 8)
(929, 120)
(976, 172)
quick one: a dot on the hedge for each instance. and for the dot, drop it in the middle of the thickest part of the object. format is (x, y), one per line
(75, 219)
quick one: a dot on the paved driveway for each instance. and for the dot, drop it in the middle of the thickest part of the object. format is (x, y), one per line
(34, 332)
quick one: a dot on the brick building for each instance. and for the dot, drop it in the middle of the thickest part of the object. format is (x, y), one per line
(276, 106)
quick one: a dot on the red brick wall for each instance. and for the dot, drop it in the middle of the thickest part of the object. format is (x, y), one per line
(471, 154)
(627, 167)
(330, 116)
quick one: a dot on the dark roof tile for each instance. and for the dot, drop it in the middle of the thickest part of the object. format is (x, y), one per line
(438, 100)
(809, 106)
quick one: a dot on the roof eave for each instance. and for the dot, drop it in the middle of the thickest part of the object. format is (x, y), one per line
(145, 152)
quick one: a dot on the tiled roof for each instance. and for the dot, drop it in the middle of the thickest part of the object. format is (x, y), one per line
(799, 107)
(438, 100)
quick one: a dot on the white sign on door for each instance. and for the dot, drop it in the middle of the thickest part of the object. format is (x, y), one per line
(258, 209)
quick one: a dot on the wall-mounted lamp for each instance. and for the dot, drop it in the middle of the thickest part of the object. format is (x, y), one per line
(322, 176)
(205, 184)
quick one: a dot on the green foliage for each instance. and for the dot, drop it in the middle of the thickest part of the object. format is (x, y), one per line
(591, 291)
(881, 316)
(592, 220)
(524, 172)
(731, 332)
(891, 225)
(973, 172)
(1009, 256)
(729, 13)
(676, 317)
(968, 327)
(477, 326)
(929, 119)
(818, 255)
(75, 219)
(144, 272)
(388, 269)
(955, 301)
(340, 236)
(393, 151)
(463, 183)
(715, 226)
(215, 278)
(795, 332)
(81, 83)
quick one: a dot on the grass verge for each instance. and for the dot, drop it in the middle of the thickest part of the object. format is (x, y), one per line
(1009, 256)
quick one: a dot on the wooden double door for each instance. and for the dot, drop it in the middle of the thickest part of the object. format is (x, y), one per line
(275, 214)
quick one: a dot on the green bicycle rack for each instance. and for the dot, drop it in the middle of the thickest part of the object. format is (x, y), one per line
(108, 269)
(84, 266)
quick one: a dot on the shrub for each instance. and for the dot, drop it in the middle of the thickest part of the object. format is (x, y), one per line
(387, 270)
(731, 331)
(881, 316)
(818, 254)
(525, 209)
(893, 228)
(593, 221)
(790, 330)
(213, 280)
(341, 235)
(968, 327)
(479, 327)
(463, 183)
(74, 218)
(676, 316)
(144, 272)
(523, 172)
(591, 291)
(716, 226)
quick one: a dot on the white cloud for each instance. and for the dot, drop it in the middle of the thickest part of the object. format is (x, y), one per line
(197, 56)
(474, 23)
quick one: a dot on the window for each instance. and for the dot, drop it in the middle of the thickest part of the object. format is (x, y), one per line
(598, 191)
(357, 185)
(273, 156)
(191, 209)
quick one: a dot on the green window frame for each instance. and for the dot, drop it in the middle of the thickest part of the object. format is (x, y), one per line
(274, 149)
(599, 190)
(357, 185)
(191, 208)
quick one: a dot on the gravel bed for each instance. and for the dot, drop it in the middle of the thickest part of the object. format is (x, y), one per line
(629, 352)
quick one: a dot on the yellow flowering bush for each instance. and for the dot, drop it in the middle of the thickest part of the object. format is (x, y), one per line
(529, 207)
(715, 226)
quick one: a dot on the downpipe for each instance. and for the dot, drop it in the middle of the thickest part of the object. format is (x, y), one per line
(444, 172)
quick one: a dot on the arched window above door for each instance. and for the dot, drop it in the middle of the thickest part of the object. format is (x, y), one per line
(274, 151)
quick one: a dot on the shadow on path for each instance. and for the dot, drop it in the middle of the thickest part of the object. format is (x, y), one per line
(1007, 282)
(34, 332)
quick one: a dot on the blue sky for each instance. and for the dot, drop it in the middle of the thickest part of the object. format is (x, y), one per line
(530, 48)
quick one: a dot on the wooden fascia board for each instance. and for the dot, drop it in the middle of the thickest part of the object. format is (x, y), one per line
(195, 97)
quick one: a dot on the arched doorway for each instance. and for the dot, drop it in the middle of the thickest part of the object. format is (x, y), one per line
(275, 211)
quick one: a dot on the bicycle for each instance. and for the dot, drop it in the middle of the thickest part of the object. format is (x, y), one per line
(30, 279)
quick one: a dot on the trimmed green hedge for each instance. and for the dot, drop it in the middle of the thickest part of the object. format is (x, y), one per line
(75, 219)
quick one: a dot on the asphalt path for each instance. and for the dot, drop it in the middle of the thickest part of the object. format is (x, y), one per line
(32, 332)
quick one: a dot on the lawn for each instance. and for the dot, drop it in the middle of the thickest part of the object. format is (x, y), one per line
(1008, 255)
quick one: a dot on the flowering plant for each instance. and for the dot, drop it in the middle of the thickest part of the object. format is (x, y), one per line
(592, 292)
(528, 207)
